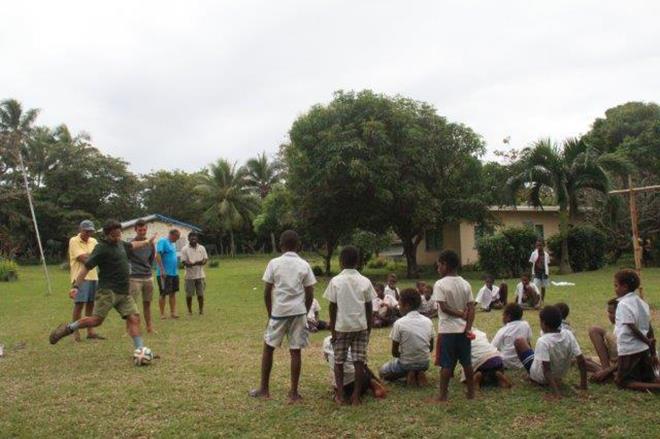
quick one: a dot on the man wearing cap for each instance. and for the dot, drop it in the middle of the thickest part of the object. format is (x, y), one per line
(80, 247)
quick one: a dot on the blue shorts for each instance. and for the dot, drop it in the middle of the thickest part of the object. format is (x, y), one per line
(454, 348)
(394, 369)
(87, 291)
(527, 358)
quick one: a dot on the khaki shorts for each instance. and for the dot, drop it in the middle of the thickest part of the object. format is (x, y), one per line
(141, 290)
(195, 286)
(295, 329)
(107, 299)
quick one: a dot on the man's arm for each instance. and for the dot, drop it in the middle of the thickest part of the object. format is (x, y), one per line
(159, 262)
(139, 244)
(309, 297)
(450, 311)
(79, 280)
(582, 365)
(550, 379)
(395, 349)
(82, 258)
(268, 298)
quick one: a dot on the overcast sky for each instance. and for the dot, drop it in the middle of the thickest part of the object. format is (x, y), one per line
(179, 84)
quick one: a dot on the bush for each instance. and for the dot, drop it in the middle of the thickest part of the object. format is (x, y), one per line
(214, 263)
(506, 252)
(370, 243)
(377, 263)
(586, 247)
(8, 270)
(318, 270)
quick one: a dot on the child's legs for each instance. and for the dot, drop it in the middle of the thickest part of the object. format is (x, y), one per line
(266, 367)
(359, 381)
(298, 338)
(525, 352)
(392, 370)
(296, 366)
(448, 359)
(597, 336)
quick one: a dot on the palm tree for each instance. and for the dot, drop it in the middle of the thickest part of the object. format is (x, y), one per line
(227, 199)
(567, 171)
(261, 175)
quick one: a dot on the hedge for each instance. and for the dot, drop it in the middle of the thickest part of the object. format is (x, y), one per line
(506, 252)
(586, 247)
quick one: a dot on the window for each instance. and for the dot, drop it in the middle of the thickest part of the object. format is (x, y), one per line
(433, 239)
(538, 228)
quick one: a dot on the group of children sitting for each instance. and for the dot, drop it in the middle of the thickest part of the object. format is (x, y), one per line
(356, 306)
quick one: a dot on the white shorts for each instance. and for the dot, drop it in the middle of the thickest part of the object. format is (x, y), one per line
(541, 283)
(295, 329)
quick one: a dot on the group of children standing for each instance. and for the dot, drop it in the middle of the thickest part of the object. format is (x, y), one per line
(356, 306)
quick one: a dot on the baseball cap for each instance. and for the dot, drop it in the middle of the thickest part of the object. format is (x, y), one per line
(87, 225)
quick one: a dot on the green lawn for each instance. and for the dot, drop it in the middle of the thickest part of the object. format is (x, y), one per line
(199, 387)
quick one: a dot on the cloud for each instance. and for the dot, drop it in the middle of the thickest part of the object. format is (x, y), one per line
(179, 84)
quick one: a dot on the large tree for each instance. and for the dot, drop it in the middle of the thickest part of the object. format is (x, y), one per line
(262, 175)
(171, 193)
(568, 171)
(226, 198)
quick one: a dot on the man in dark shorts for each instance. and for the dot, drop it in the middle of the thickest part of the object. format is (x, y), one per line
(141, 284)
(110, 256)
(167, 272)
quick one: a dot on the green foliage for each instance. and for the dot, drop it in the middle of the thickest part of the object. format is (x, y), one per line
(171, 193)
(506, 252)
(379, 262)
(369, 243)
(276, 212)
(587, 247)
(8, 270)
(317, 270)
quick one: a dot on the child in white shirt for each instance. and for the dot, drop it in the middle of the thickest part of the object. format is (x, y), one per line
(390, 287)
(428, 307)
(514, 328)
(314, 323)
(540, 261)
(412, 341)
(527, 294)
(350, 295)
(487, 362)
(385, 308)
(288, 293)
(489, 296)
(550, 361)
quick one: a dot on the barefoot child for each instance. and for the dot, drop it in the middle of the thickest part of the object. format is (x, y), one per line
(604, 343)
(487, 363)
(634, 336)
(350, 295)
(412, 341)
(555, 350)
(514, 327)
(455, 317)
(288, 293)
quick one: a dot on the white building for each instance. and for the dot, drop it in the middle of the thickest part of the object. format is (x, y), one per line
(160, 225)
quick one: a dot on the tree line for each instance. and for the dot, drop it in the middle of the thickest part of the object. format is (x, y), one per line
(360, 168)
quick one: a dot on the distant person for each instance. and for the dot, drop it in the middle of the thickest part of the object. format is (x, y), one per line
(412, 342)
(110, 256)
(167, 272)
(549, 362)
(487, 363)
(288, 294)
(390, 286)
(194, 257)
(314, 322)
(635, 341)
(141, 282)
(514, 328)
(350, 295)
(428, 307)
(527, 294)
(385, 308)
(455, 317)
(540, 260)
(80, 247)
(604, 342)
(488, 296)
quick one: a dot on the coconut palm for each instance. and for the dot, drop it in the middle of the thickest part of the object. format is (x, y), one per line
(567, 171)
(261, 175)
(227, 200)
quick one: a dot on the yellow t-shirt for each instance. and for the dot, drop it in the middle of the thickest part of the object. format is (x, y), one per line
(79, 247)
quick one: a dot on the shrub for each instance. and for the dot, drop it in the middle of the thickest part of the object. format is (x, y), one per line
(370, 243)
(377, 263)
(586, 247)
(506, 252)
(8, 270)
(214, 263)
(318, 270)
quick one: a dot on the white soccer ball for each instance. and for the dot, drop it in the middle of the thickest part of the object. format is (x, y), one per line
(143, 356)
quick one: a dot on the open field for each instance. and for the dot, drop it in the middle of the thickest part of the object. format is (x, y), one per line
(199, 387)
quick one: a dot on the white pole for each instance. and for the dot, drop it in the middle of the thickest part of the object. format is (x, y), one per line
(34, 221)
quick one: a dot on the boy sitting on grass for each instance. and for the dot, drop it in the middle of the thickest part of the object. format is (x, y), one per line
(385, 308)
(487, 363)
(370, 380)
(314, 322)
(514, 328)
(634, 336)
(488, 296)
(412, 341)
(288, 294)
(604, 343)
(555, 350)
(455, 317)
(390, 288)
(527, 294)
(350, 295)
(428, 307)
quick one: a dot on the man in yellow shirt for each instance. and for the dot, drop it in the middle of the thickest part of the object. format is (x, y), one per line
(80, 247)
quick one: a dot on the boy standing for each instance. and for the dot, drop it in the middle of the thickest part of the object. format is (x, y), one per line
(288, 293)
(141, 284)
(634, 336)
(505, 338)
(412, 341)
(194, 257)
(455, 317)
(350, 295)
(540, 260)
(555, 349)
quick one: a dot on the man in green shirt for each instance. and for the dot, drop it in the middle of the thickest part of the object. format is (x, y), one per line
(110, 256)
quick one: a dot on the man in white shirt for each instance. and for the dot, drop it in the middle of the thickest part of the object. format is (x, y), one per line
(540, 260)
(412, 341)
(288, 294)
(350, 295)
(634, 334)
(555, 350)
(194, 257)
(514, 328)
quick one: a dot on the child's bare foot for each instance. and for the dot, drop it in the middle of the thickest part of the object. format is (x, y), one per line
(503, 381)
(356, 401)
(258, 393)
(338, 400)
(294, 398)
(421, 379)
(150, 330)
(378, 389)
(411, 379)
(477, 380)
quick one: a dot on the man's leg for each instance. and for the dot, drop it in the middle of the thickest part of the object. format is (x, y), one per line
(296, 366)
(147, 288)
(146, 310)
(173, 306)
(89, 309)
(77, 313)
(133, 326)
(161, 297)
(201, 289)
(69, 328)
(189, 287)
(189, 304)
(597, 336)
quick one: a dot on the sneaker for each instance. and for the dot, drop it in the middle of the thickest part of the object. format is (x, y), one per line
(59, 332)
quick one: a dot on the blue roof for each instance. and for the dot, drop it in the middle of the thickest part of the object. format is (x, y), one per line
(158, 216)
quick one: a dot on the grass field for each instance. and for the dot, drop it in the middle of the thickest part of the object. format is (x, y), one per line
(199, 387)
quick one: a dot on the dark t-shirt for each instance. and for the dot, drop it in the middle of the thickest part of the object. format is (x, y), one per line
(141, 261)
(112, 261)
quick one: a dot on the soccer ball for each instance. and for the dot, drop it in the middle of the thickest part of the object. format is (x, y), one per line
(143, 356)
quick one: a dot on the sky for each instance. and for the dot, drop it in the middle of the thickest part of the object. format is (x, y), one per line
(177, 85)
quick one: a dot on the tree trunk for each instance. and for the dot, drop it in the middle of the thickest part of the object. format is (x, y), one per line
(564, 264)
(410, 252)
(232, 244)
(273, 243)
(327, 257)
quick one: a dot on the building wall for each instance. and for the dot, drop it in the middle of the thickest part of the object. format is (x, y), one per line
(161, 229)
(450, 240)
